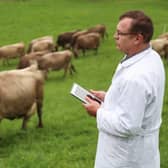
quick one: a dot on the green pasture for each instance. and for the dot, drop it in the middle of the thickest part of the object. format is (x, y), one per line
(69, 136)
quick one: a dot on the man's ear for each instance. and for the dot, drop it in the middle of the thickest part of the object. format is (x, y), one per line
(139, 38)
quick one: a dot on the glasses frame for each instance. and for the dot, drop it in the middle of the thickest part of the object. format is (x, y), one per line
(124, 34)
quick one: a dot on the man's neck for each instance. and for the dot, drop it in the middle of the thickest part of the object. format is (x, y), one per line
(138, 50)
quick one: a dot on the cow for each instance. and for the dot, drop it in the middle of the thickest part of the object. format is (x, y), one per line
(57, 61)
(160, 45)
(64, 39)
(86, 42)
(12, 51)
(100, 28)
(26, 60)
(164, 35)
(21, 91)
(45, 43)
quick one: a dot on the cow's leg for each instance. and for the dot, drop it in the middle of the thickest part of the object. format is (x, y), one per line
(24, 123)
(72, 69)
(27, 116)
(39, 113)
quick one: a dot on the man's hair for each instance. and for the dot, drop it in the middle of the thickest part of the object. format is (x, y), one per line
(141, 24)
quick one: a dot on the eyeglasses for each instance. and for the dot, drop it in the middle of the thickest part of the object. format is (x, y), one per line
(117, 33)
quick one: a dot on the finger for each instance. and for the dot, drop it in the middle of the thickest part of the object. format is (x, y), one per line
(93, 91)
(88, 99)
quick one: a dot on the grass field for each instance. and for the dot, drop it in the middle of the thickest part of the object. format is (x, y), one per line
(69, 136)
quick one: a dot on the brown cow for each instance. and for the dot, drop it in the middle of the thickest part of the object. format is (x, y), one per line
(42, 44)
(64, 39)
(57, 61)
(20, 92)
(160, 45)
(100, 28)
(86, 42)
(26, 60)
(164, 35)
(12, 51)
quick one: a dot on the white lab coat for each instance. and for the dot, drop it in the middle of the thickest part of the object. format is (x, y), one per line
(129, 119)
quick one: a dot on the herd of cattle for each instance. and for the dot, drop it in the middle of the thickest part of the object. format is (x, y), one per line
(21, 90)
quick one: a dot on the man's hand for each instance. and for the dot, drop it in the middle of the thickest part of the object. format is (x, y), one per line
(91, 107)
(99, 94)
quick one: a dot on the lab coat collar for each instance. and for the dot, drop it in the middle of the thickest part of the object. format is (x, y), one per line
(135, 58)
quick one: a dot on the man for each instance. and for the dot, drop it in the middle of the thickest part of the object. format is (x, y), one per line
(129, 118)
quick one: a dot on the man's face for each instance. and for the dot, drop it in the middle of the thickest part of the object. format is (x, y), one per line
(123, 37)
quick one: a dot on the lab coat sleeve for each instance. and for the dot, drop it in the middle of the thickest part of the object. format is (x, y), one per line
(124, 117)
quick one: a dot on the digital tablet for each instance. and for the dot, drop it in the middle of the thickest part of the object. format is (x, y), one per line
(81, 93)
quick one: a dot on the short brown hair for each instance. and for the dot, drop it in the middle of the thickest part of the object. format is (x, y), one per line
(141, 24)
